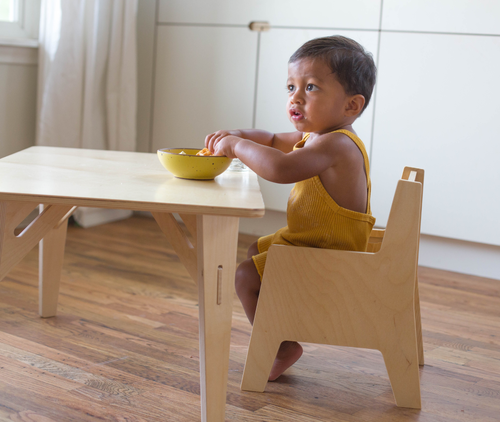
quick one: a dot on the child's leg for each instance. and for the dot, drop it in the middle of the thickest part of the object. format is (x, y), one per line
(248, 283)
(248, 288)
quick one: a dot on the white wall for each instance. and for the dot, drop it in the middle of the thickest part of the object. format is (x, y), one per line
(18, 82)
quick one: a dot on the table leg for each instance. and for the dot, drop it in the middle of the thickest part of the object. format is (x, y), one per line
(50, 260)
(217, 241)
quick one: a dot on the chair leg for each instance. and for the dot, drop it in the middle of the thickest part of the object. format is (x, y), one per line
(262, 352)
(401, 360)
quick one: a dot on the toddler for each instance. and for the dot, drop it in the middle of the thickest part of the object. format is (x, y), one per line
(330, 82)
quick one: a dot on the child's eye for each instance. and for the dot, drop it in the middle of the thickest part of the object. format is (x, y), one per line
(312, 87)
(290, 88)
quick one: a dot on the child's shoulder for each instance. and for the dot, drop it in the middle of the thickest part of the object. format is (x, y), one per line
(339, 141)
(344, 149)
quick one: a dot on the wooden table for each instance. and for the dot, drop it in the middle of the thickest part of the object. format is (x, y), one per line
(61, 179)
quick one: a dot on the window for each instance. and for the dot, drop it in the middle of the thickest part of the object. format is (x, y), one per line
(8, 11)
(19, 19)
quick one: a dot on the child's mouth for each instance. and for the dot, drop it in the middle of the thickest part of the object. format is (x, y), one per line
(296, 115)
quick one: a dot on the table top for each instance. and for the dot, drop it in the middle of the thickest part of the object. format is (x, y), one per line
(122, 180)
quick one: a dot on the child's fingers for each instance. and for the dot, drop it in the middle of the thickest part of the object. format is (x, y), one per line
(209, 141)
(213, 142)
(219, 149)
(215, 138)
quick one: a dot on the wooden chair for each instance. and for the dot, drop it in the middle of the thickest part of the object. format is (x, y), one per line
(357, 299)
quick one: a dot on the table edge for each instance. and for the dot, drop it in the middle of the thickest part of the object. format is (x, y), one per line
(135, 206)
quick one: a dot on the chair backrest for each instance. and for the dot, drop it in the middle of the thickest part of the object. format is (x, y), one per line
(403, 224)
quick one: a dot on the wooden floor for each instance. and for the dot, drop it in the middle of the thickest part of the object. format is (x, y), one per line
(124, 346)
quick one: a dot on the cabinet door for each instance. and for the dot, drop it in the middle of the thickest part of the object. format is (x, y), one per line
(437, 108)
(276, 47)
(361, 14)
(456, 16)
(204, 81)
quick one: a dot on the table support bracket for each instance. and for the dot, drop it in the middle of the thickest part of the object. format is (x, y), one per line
(182, 245)
(13, 248)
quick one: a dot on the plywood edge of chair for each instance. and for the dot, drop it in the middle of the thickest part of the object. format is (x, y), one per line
(375, 240)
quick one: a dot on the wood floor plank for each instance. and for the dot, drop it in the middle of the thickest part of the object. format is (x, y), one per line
(124, 345)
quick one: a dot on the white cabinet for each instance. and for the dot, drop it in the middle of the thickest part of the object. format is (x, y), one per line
(204, 81)
(452, 16)
(360, 14)
(276, 47)
(437, 108)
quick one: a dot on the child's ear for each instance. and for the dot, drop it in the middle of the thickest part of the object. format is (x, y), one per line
(355, 105)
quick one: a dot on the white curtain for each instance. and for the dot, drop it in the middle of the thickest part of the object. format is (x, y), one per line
(87, 81)
(88, 71)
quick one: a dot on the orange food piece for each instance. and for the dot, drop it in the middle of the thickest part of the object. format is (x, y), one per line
(205, 152)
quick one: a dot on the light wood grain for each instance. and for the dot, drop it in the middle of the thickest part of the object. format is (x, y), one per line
(183, 246)
(51, 259)
(67, 178)
(13, 248)
(217, 244)
(189, 221)
(355, 299)
(122, 180)
(128, 315)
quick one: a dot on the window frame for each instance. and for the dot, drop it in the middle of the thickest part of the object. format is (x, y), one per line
(27, 26)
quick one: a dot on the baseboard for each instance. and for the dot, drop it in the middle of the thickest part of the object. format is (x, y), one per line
(460, 256)
(90, 217)
(271, 222)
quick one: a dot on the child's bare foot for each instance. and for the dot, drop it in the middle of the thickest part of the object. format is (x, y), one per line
(288, 353)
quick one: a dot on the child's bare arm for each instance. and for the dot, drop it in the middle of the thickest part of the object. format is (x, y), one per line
(261, 137)
(276, 166)
(282, 141)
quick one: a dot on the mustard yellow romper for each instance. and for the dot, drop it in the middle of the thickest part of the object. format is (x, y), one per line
(315, 220)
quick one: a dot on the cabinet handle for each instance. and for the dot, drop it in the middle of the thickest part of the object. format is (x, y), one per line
(259, 26)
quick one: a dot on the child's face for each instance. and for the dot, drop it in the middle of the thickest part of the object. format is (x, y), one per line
(316, 100)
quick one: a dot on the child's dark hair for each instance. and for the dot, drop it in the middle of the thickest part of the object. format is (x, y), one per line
(352, 65)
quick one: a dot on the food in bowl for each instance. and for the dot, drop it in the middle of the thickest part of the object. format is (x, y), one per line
(184, 163)
(205, 152)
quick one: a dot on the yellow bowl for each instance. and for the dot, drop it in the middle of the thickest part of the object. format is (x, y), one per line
(190, 165)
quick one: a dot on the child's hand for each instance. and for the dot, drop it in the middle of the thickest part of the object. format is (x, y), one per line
(226, 145)
(214, 138)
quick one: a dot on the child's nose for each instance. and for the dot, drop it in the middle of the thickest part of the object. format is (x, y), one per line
(296, 98)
